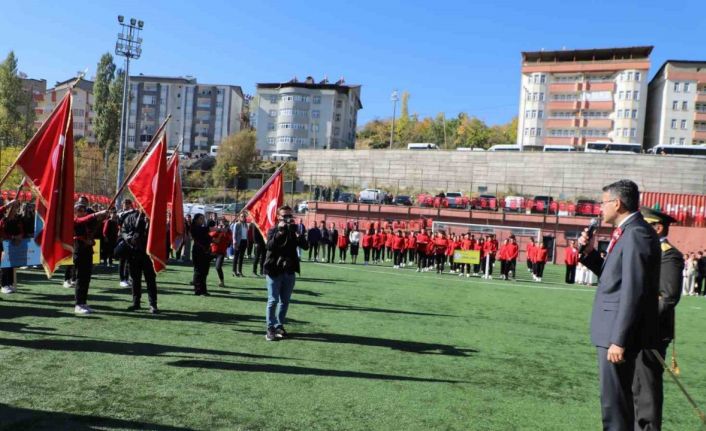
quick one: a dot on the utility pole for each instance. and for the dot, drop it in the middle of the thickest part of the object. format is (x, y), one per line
(394, 98)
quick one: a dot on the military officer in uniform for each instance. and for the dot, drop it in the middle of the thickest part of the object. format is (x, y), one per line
(647, 386)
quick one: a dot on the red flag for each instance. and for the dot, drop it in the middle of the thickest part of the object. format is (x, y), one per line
(263, 206)
(48, 163)
(149, 186)
(176, 202)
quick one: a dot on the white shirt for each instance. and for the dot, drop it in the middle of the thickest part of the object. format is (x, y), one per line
(631, 215)
(243, 231)
(354, 237)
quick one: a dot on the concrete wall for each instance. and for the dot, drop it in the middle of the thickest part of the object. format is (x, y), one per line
(562, 175)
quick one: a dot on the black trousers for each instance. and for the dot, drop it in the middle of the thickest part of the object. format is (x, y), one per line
(342, 253)
(238, 256)
(124, 270)
(615, 381)
(421, 260)
(83, 269)
(8, 276)
(140, 264)
(512, 265)
(397, 256)
(647, 389)
(570, 274)
(411, 255)
(366, 254)
(314, 248)
(202, 263)
(529, 264)
(377, 252)
(259, 261)
(539, 269)
(330, 252)
(69, 273)
(219, 266)
(503, 267)
(440, 260)
(388, 253)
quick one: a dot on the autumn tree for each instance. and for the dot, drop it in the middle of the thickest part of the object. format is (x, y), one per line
(237, 155)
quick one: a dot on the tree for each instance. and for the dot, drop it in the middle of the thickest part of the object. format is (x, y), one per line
(107, 108)
(13, 128)
(237, 155)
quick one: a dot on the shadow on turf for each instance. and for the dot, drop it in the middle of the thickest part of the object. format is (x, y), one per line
(401, 345)
(123, 348)
(293, 370)
(17, 418)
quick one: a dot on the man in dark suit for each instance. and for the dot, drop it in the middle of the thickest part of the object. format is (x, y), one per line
(647, 386)
(240, 243)
(624, 318)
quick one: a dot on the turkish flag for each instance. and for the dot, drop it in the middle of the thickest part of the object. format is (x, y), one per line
(48, 164)
(149, 185)
(263, 206)
(176, 202)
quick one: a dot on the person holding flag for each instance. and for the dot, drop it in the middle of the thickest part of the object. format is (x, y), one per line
(83, 253)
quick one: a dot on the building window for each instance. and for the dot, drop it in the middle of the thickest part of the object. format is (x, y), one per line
(634, 114)
(625, 133)
(339, 103)
(338, 117)
(541, 97)
(316, 100)
(540, 113)
(620, 95)
(637, 76)
(629, 76)
(685, 106)
(539, 131)
(315, 127)
(273, 99)
(315, 113)
(635, 95)
(676, 87)
(527, 113)
(674, 124)
(675, 106)
(542, 79)
(683, 124)
(532, 131)
(633, 133)
(686, 87)
(526, 131)
(270, 126)
(671, 141)
(336, 131)
(620, 113)
(681, 141)
(271, 140)
(273, 113)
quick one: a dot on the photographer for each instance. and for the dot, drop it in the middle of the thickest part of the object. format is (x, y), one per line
(281, 264)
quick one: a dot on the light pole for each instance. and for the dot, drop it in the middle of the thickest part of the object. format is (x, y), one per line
(128, 45)
(394, 99)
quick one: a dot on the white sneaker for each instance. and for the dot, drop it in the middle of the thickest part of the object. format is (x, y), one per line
(7, 289)
(510, 274)
(460, 275)
(82, 309)
(122, 284)
(468, 275)
(417, 269)
(539, 279)
(67, 285)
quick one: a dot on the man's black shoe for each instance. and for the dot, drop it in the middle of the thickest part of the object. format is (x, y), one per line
(270, 335)
(280, 333)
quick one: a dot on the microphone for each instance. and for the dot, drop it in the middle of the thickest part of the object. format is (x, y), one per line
(595, 224)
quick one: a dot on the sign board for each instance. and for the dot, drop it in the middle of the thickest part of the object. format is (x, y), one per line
(471, 257)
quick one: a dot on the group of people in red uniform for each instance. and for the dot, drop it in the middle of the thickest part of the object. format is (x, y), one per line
(431, 251)
(537, 255)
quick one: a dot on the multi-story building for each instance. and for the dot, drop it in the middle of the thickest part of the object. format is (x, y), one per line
(202, 114)
(83, 113)
(294, 115)
(35, 90)
(676, 106)
(573, 97)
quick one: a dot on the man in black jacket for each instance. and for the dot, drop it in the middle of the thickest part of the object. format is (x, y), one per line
(313, 236)
(134, 232)
(647, 386)
(281, 265)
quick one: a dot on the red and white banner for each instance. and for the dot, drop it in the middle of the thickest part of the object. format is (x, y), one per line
(263, 206)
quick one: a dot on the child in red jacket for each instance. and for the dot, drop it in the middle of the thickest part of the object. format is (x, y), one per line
(367, 243)
(398, 247)
(440, 246)
(411, 247)
(540, 259)
(378, 244)
(343, 246)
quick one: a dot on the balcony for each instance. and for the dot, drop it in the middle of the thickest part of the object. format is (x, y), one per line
(701, 97)
(561, 123)
(564, 87)
(700, 135)
(560, 140)
(563, 105)
(607, 105)
(595, 123)
(700, 116)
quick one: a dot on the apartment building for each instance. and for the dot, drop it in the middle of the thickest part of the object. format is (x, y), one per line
(35, 90)
(202, 114)
(676, 105)
(83, 114)
(294, 115)
(571, 97)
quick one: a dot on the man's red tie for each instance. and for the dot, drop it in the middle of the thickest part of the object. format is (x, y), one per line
(614, 238)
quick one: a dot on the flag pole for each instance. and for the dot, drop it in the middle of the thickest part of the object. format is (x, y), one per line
(155, 138)
(41, 129)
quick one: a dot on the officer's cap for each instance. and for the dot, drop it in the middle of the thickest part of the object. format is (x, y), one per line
(653, 216)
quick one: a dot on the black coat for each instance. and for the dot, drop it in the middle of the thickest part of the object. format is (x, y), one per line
(670, 279)
(281, 254)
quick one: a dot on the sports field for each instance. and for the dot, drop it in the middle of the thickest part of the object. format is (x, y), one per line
(372, 348)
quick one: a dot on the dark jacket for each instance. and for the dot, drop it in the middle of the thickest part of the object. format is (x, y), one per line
(625, 306)
(133, 230)
(670, 280)
(313, 235)
(281, 254)
(201, 238)
(325, 236)
(333, 236)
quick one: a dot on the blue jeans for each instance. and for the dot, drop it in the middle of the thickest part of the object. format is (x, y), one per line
(279, 290)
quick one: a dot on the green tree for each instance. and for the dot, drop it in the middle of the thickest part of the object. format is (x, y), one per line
(13, 130)
(107, 106)
(237, 155)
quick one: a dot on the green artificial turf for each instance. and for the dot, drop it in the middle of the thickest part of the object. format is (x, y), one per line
(372, 348)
